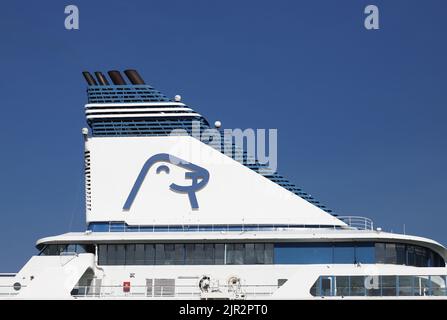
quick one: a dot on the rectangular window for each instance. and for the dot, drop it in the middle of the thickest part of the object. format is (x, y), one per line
(344, 253)
(250, 253)
(169, 254)
(239, 253)
(259, 249)
(411, 259)
(189, 253)
(318, 253)
(357, 286)
(388, 284)
(438, 285)
(149, 254)
(139, 254)
(199, 253)
(400, 254)
(342, 286)
(71, 248)
(268, 253)
(130, 254)
(326, 286)
(208, 254)
(406, 286)
(364, 253)
(424, 286)
(179, 254)
(219, 253)
(372, 285)
(390, 253)
(160, 254)
(111, 254)
(421, 256)
(102, 254)
(380, 252)
(120, 254)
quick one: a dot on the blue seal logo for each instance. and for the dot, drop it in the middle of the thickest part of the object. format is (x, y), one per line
(199, 178)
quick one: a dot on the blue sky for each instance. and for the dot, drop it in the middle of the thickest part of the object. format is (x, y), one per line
(360, 114)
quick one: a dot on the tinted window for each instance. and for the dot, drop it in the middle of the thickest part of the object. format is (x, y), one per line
(388, 285)
(102, 254)
(380, 253)
(390, 253)
(139, 254)
(344, 253)
(364, 253)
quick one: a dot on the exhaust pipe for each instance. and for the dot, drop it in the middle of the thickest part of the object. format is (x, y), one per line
(88, 77)
(101, 79)
(116, 78)
(134, 77)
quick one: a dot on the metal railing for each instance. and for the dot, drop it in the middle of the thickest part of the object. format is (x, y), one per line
(177, 291)
(358, 222)
(122, 227)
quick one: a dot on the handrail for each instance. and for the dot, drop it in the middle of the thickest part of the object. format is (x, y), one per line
(170, 291)
(241, 227)
(358, 222)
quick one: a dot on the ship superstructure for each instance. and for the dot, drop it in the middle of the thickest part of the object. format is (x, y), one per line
(171, 216)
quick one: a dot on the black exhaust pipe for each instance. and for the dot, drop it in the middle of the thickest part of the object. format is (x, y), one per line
(133, 76)
(116, 78)
(88, 77)
(101, 79)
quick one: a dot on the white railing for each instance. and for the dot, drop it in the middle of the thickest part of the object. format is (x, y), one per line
(357, 222)
(241, 227)
(178, 291)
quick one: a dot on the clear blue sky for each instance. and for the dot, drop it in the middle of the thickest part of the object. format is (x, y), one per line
(361, 114)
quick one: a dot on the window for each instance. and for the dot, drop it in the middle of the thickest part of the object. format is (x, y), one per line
(254, 253)
(236, 253)
(344, 253)
(380, 252)
(438, 285)
(120, 254)
(111, 255)
(372, 285)
(404, 286)
(208, 253)
(102, 254)
(390, 253)
(63, 249)
(364, 253)
(250, 257)
(160, 254)
(342, 286)
(268, 253)
(411, 258)
(400, 254)
(149, 254)
(219, 253)
(388, 285)
(259, 256)
(309, 253)
(420, 257)
(130, 254)
(189, 253)
(139, 254)
(357, 286)
(326, 286)
(169, 254)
